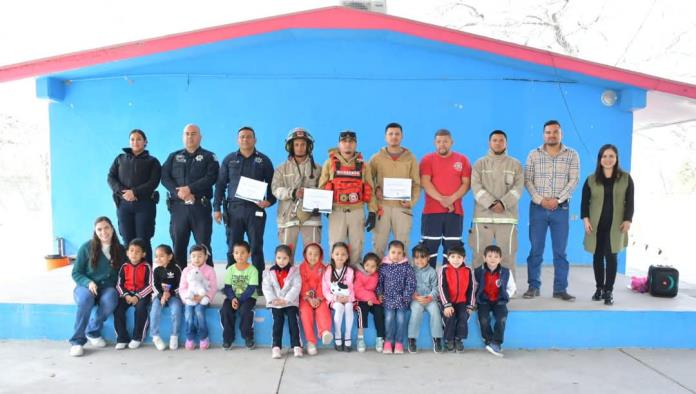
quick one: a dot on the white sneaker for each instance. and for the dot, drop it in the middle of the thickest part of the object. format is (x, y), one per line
(326, 338)
(159, 343)
(298, 351)
(275, 352)
(120, 346)
(311, 349)
(173, 342)
(134, 344)
(361, 345)
(379, 344)
(96, 342)
(76, 350)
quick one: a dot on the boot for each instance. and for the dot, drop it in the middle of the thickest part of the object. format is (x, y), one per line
(598, 294)
(608, 297)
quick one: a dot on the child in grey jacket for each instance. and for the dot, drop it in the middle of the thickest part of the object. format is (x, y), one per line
(424, 299)
(281, 288)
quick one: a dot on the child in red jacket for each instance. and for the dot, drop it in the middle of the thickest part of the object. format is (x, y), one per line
(456, 282)
(365, 294)
(313, 306)
(134, 287)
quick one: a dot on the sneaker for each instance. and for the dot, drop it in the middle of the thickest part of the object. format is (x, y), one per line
(437, 345)
(96, 342)
(531, 293)
(361, 345)
(387, 348)
(563, 295)
(379, 344)
(226, 346)
(311, 349)
(450, 346)
(158, 342)
(412, 345)
(174, 342)
(297, 351)
(495, 349)
(398, 348)
(120, 346)
(204, 344)
(133, 344)
(250, 344)
(326, 338)
(275, 352)
(189, 344)
(598, 294)
(459, 345)
(77, 350)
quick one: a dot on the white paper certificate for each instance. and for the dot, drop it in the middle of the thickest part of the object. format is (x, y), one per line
(317, 199)
(251, 189)
(397, 189)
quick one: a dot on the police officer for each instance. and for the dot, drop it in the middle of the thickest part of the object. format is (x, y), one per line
(189, 175)
(348, 175)
(133, 178)
(242, 216)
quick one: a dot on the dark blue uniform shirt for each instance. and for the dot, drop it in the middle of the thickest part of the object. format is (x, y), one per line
(257, 166)
(197, 170)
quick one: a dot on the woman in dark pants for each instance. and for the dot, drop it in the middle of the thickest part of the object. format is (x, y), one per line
(607, 212)
(94, 273)
(133, 178)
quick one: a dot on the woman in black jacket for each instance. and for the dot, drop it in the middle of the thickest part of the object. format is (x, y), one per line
(133, 178)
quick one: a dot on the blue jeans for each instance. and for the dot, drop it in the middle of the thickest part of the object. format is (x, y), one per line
(106, 300)
(194, 316)
(175, 308)
(414, 323)
(395, 317)
(540, 219)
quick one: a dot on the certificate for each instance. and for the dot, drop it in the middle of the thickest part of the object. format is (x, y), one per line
(251, 189)
(317, 199)
(397, 189)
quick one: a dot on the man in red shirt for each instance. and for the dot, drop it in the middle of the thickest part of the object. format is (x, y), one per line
(445, 176)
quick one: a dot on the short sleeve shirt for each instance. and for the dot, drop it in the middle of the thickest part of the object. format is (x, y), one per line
(240, 280)
(446, 175)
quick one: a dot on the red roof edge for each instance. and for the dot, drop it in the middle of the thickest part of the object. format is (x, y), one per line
(339, 18)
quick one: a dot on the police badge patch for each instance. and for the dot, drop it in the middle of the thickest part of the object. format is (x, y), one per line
(199, 158)
(258, 160)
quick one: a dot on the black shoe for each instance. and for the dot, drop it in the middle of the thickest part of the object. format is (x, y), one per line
(459, 345)
(338, 345)
(450, 346)
(250, 344)
(598, 294)
(226, 345)
(563, 295)
(608, 297)
(437, 345)
(531, 293)
(347, 348)
(412, 345)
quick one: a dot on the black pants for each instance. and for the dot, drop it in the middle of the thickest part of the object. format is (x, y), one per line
(279, 315)
(142, 309)
(499, 312)
(187, 219)
(377, 314)
(242, 219)
(441, 228)
(603, 253)
(456, 326)
(228, 317)
(137, 220)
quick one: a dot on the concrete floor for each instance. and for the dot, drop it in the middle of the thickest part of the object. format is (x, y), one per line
(46, 367)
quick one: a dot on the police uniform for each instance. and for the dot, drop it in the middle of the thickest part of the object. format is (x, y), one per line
(141, 174)
(198, 171)
(243, 216)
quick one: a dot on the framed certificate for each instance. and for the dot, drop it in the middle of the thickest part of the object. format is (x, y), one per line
(398, 189)
(317, 199)
(251, 189)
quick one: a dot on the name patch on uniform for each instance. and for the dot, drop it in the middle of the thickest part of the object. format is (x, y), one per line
(180, 158)
(347, 173)
(259, 214)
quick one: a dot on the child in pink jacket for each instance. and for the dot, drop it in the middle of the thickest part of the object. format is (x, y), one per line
(338, 291)
(197, 289)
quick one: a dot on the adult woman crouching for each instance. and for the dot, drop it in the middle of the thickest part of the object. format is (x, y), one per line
(607, 212)
(94, 273)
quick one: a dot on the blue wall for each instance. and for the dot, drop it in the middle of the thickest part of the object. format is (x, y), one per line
(325, 81)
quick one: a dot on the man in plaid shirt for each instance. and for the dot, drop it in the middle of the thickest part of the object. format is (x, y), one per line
(550, 176)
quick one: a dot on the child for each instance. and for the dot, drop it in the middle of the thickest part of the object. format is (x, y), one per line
(241, 284)
(196, 301)
(338, 290)
(313, 305)
(134, 287)
(495, 287)
(456, 297)
(397, 282)
(281, 288)
(166, 278)
(365, 287)
(425, 298)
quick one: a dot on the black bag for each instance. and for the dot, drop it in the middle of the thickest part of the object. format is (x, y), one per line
(663, 281)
